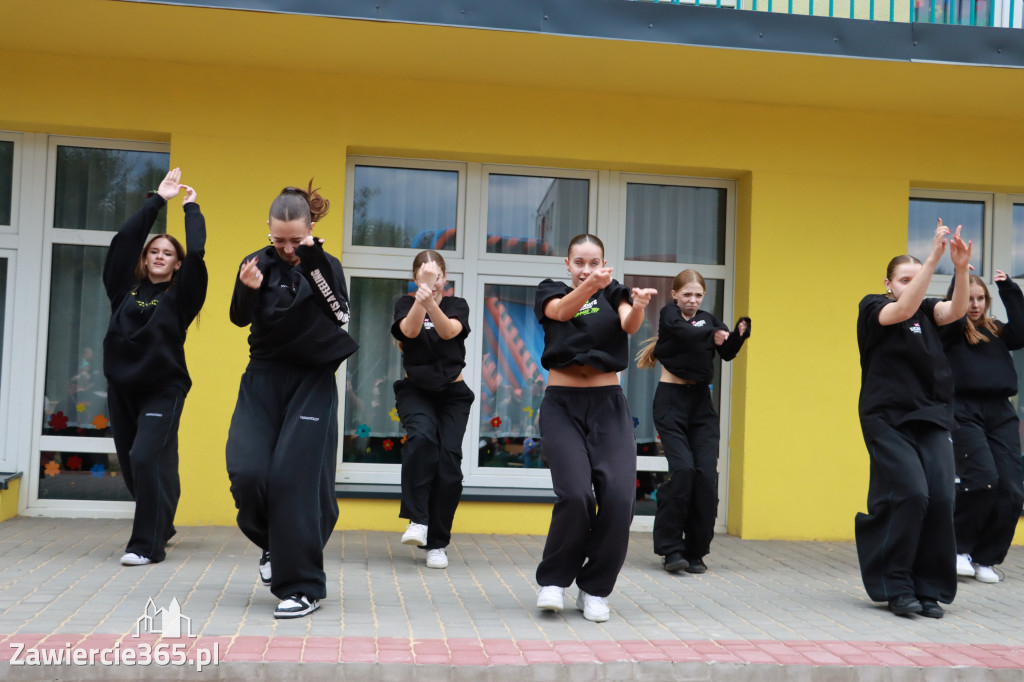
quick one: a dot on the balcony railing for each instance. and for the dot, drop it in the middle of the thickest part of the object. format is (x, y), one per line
(1005, 13)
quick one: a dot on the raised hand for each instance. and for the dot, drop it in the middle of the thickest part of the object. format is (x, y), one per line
(424, 294)
(741, 328)
(170, 185)
(600, 278)
(250, 275)
(428, 274)
(959, 252)
(721, 336)
(190, 195)
(641, 297)
(938, 242)
(1000, 276)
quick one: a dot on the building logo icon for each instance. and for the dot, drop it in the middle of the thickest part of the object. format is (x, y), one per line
(165, 622)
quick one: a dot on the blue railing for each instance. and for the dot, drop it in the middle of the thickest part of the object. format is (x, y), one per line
(959, 12)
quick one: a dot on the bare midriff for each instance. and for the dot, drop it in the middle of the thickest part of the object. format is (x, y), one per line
(670, 378)
(581, 376)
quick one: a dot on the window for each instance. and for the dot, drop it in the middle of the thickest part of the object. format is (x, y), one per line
(6, 180)
(94, 189)
(924, 215)
(512, 226)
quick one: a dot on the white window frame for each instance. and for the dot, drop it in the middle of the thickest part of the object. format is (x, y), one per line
(51, 237)
(8, 451)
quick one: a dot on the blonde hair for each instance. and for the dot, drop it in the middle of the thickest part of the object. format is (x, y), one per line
(987, 322)
(645, 356)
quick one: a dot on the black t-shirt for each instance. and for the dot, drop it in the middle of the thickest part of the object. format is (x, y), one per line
(687, 347)
(986, 368)
(904, 372)
(430, 362)
(593, 336)
(144, 347)
(290, 316)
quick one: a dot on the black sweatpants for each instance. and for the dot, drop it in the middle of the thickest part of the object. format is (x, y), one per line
(905, 542)
(988, 461)
(588, 441)
(688, 502)
(145, 425)
(434, 424)
(282, 454)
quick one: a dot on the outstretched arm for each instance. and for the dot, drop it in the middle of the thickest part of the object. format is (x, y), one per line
(631, 315)
(909, 301)
(955, 308)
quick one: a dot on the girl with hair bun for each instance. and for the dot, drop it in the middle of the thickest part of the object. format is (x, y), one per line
(283, 440)
(433, 403)
(687, 423)
(586, 427)
(986, 443)
(905, 543)
(156, 290)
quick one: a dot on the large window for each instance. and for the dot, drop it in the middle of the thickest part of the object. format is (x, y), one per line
(969, 214)
(94, 188)
(6, 180)
(501, 230)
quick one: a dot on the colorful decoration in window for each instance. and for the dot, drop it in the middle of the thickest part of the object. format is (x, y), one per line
(98, 470)
(388, 444)
(496, 422)
(529, 411)
(100, 422)
(52, 468)
(74, 462)
(58, 421)
(636, 422)
(529, 442)
(404, 439)
(80, 407)
(394, 415)
(363, 431)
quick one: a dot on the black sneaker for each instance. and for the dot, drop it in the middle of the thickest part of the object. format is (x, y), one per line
(296, 606)
(265, 568)
(930, 608)
(905, 605)
(674, 561)
(696, 566)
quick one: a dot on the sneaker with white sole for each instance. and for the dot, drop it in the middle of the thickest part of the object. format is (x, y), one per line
(130, 559)
(551, 598)
(963, 565)
(985, 574)
(594, 608)
(437, 558)
(415, 534)
(296, 606)
(265, 572)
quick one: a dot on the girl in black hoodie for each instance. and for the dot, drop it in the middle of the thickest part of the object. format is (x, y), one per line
(155, 289)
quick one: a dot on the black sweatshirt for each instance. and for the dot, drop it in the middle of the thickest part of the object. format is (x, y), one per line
(592, 337)
(430, 362)
(145, 343)
(297, 313)
(686, 348)
(986, 368)
(904, 372)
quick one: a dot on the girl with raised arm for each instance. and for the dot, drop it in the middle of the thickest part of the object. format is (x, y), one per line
(986, 443)
(586, 427)
(905, 542)
(283, 442)
(433, 403)
(156, 289)
(687, 423)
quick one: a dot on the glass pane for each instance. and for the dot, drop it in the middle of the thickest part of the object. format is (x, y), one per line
(1018, 241)
(6, 180)
(81, 476)
(76, 390)
(512, 381)
(536, 216)
(924, 214)
(671, 224)
(97, 189)
(639, 384)
(405, 208)
(372, 431)
(3, 313)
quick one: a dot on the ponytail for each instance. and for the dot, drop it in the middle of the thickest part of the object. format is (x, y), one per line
(295, 203)
(645, 356)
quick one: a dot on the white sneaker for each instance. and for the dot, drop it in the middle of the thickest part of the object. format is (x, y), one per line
(130, 559)
(265, 571)
(963, 565)
(985, 574)
(415, 534)
(550, 598)
(437, 558)
(593, 608)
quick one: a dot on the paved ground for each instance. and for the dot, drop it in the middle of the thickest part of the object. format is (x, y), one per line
(777, 609)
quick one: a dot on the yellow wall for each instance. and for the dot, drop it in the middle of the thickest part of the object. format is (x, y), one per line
(822, 207)
(9, 500)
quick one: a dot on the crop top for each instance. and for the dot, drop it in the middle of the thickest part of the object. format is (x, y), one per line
(430, 362)
(593, 337)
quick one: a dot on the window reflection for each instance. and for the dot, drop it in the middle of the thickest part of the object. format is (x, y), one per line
(98, 189)
(6, 180)
(1018, 241)
(673, 224)
(405, 208)
(535, 215)
(512, 381)
(81, 476)
(924, 214)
